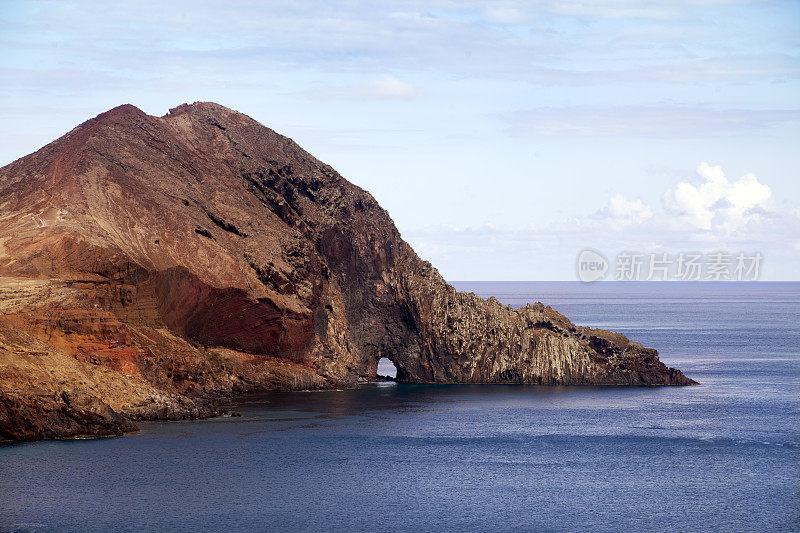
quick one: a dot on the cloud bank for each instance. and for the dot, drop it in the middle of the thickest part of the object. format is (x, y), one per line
(705, 214)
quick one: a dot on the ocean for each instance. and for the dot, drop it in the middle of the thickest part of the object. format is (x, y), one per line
(721, 456)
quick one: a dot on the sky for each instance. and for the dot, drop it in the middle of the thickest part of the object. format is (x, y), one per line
(502, 137)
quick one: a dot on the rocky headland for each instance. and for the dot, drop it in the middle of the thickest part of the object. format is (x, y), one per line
(150, 266)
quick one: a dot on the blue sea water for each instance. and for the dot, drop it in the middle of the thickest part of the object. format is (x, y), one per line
(722, 456)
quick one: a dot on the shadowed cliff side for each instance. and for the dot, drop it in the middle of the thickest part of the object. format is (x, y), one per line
(188, 257)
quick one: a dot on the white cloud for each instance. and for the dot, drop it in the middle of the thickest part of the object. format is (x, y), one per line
(381, 88)
(616, 9)
(505, 15)
(718, 204)
(637, 9)
(389, 88)
(668, 121)
(620, 212)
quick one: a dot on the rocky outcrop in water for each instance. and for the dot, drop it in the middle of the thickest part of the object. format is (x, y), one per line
(149, 265)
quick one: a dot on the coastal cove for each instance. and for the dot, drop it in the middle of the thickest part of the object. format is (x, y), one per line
(410, 457)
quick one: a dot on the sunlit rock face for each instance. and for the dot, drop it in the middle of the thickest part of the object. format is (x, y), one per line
(201, 254)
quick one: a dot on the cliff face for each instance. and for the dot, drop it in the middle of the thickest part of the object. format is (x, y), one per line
(148, 264)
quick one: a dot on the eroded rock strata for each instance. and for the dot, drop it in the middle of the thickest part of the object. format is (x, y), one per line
(149, 265)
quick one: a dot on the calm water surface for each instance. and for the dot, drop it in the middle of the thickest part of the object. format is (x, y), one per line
(723, 456)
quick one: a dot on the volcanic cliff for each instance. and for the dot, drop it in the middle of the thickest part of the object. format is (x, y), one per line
(149, 265)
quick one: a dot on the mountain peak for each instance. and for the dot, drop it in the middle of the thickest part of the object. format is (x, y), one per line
(200, 106)
(124, 110)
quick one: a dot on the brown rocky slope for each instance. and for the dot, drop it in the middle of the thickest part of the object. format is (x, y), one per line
(149, 265)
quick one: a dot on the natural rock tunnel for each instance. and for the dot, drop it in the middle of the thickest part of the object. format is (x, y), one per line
(386, 368)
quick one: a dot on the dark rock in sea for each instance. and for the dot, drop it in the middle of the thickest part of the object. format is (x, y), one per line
(159, 263)
(68, 415)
